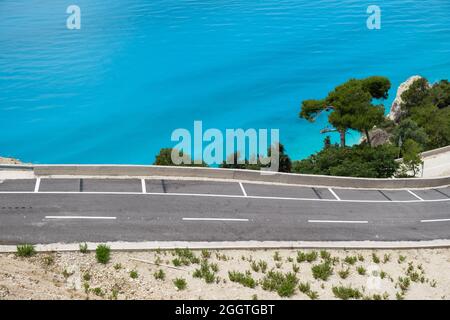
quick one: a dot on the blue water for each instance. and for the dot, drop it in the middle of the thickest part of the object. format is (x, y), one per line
(113, 91)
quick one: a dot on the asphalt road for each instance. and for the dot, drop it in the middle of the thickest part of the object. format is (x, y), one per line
(98, 210)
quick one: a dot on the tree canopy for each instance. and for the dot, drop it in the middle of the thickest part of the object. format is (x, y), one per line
(351, 106)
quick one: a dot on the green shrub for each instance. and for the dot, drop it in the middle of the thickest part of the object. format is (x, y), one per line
(295, 268)
(351, 260)
(322, 271)
(404, 283)
(98, 291)
(309, 257)
(361, 270)
(254, 266)
(102, 253)
(283, 284)
(185, 257)
(245, 279)
(325, 255)
(346, 293)
(375, 258)
(133, 274)
(304, 287)
(313, 295)
(344, 273)
(401, 259)
(49, 260)
(206, 254)
(386, 258)
(83, 247)
(117, 266)
(205, 272)
(160, 275)
(180, 283)
(25, 250)
(86, 276)
(276, 256)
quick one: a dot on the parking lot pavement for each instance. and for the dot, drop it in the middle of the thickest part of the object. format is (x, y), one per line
(430, 194)
(111, 185)
(60, 185)
(18, 185)
(202, 187)
(154, 186)
(352, 194)
(262, 190)
(398, 195)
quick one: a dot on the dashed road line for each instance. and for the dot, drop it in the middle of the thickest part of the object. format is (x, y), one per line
(37, 185)
(215, 219)
(415, 195)
(334, 194)
(80, 217)
(337, 221)
(144, 188)
(435, 220)
(243, 189)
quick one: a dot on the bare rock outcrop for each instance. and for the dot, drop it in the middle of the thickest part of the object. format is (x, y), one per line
(396, 109)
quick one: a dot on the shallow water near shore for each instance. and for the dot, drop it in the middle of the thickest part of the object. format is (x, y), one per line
(114, 91)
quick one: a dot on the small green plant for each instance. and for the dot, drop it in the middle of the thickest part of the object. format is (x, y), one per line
(283, 284)
(383, 274)
(214, 267)
(160, 275)
(375, 258)
(177, 262)
(404, 283)
(400, 295)
(276, 256)
(83, 247)
(360, 257)
(433, 283)
(206, 254)
(255, 297)
(361, 270)
(86, 287)
(48, 260)
(133, 274)
(254, 266)
(245, 279)
(25, 250)
(102, 253)
(278, 265)
(308, 257)
(262, 265)
(351, 260)
(185, 257)
(114, 294)
(346, 293)
(86, 276)
(66, 273)
(325, 255)
(322, 271)
(117, 266)
(295, 268)
(401, 259)
(205, 272)
(180, 283)
(386, 258)
(344, 273)
(313, 295)
(304, 287)
(98, 292)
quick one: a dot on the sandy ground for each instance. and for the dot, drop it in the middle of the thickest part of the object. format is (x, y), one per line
(75, 275)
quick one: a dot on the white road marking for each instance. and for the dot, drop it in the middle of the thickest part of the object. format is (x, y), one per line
(334, 194)
(243, 190)
(221, 196)
(80, 217)
(214, 219)
(37, 185)
(337, 221)
(144, 188)
(415, 195)
(435, 220)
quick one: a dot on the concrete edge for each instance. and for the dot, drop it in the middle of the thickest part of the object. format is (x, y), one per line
(236, 245)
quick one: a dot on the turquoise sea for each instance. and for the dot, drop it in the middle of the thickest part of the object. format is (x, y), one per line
(113, 91)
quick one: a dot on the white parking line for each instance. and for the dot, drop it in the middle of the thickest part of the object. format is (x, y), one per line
(415, 195)
(37, 185)
(80, 217)
(243, 190)
(214, 219)
(337, 221)
(144, 188)
(334, 194)
(435, 220)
